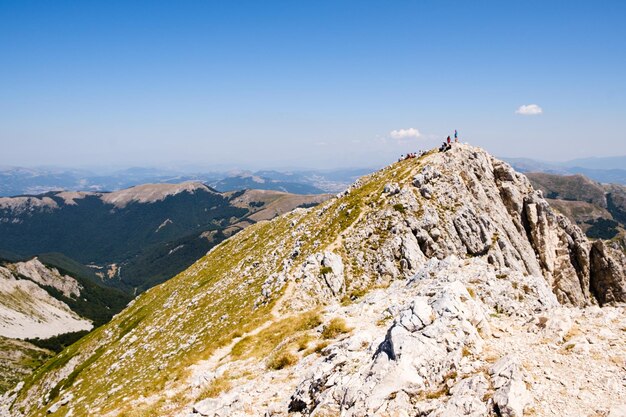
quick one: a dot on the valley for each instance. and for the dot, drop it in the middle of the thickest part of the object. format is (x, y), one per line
(135, 238)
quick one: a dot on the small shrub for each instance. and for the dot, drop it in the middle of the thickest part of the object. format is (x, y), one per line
(326, 270)
(471, 292)
(358, 293)
(303, 342)
(383, 321)
(216, 387)
(334, 328)
(353, 295)
(282, 360)
(466, 352)
(452, 375)
(318, 348)
(432, 395)
(399, 208)
(502, 276)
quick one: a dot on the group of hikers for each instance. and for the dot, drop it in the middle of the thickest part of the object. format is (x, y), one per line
(411, 155)
(447, 144)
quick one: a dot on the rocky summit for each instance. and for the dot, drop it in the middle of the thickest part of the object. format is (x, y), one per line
(442, 285)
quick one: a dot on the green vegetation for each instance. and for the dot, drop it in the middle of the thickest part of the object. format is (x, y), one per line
(602, 229)
(18, 359)
(96, 302)
(151, 346)
(131, 237)
(148, 243)
(326, 270)
(58, 343)
(399, 208)
(568, 187)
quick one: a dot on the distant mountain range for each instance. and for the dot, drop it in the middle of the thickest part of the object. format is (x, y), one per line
(31, 181)
(138, 237)
(605, 170)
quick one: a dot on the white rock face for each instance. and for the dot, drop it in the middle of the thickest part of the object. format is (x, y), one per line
(334, 278)
(443, 352)
(38, 272)
(28, 311)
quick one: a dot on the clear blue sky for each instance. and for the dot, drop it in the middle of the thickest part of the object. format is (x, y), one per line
(315, 84)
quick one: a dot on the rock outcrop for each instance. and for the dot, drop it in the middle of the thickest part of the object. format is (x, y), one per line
(28, 311)
(608, 273)
(37, 272)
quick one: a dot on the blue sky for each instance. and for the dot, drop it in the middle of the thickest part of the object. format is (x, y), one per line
(306, 84)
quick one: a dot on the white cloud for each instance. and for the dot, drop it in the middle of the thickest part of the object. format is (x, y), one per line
(529, 110)
(405, 133)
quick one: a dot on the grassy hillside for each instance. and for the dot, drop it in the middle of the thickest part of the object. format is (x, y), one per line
(229, 292)
(18, 359)
(569, 187)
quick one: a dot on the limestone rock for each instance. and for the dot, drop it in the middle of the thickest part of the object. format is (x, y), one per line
(511, 395)
(334, 278)
(608, 273)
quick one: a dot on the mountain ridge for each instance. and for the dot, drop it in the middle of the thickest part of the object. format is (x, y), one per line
(605, 170)
(30, 181)
(386, 298)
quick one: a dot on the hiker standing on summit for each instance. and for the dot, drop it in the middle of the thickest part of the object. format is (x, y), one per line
(456, 136)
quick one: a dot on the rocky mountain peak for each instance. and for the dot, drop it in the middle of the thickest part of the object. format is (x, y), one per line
(440, 285)
(466, 203)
